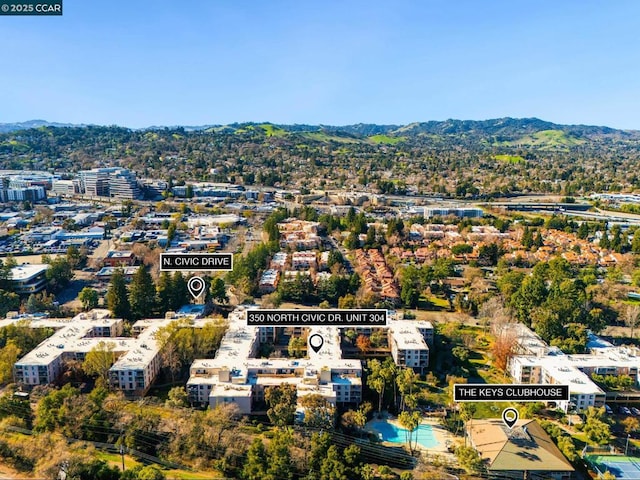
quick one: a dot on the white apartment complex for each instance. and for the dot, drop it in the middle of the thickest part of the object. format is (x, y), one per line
(235, 375)
(138, 358)
(539, 363)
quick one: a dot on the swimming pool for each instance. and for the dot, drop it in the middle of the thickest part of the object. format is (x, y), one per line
(395, 434)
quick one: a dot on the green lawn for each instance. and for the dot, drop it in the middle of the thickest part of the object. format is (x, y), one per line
(114, 459)
(548, 139)
(437, 302)
(272, 131)
(386, 139)
(323, 137)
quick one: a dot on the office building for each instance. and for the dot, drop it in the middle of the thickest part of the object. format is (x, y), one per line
(27, 279)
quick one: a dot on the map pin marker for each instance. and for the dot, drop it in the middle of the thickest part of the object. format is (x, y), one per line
(316, 341)
(510, 417)
(196, 286)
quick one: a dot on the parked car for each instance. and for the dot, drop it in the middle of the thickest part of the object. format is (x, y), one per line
(625, 411)
(608, 409)
(635, 411)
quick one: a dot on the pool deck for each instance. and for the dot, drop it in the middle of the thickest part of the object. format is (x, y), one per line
(439, 432)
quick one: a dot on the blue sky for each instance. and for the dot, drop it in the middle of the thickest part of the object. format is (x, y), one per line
(155, 62)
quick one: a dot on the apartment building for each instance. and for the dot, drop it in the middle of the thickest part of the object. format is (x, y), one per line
(235, 375)
(72, 340)
(539, 363)
(138, 358)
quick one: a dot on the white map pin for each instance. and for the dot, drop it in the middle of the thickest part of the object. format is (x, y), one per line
(196, 287)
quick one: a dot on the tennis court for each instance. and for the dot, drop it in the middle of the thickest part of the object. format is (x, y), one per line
(627, 468)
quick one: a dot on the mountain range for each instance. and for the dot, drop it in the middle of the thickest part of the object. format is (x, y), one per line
(503, 129)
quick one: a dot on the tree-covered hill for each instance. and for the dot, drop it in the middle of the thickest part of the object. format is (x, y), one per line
(452, 157)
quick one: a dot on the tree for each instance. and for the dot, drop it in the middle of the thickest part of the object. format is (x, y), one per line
(406, 380)
(631, 317)
(117, 298)
(461, 353)
(376, 379)
(488, 255)
(49, 416)
(177, 397)
(8, 357)
(180, 291)
(89, 298)
(595, 429)
(378, 337)
(171, 233)
(410, 296)
(142, 294)
(333, 467)
(347, 301)
(527, 238)
(320, 443)
(635, 243)
(296, 348)
(282, 400)
(410, 421)
(503, 349)
(469, 459)
(59, 272)
(219, 291)
(255, 466)
(363, 343)
(583, 231)
(99, 360)
(164, 293)
(631, 424)
(151, 472)
(280, 465)
(318, 412)
(8, 301)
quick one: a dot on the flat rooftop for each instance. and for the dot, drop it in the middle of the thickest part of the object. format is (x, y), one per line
(26, 272)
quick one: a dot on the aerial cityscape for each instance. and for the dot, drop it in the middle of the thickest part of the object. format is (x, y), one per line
(243, 246)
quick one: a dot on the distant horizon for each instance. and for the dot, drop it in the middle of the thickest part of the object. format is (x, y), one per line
(267, 122)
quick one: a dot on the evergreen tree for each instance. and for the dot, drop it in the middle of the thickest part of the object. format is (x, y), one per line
(117, 299)
(635, 245)
(333, 467)
(164, 293)
(616, 241)
(218, 291)
(142, 294)
(280, 465)
(255, 466)
(527, 238)
(604, 241)
(583, 231)
(180, 292)
(538, 242)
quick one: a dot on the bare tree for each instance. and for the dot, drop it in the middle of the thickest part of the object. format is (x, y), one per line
(632, 317)
(493, 312)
